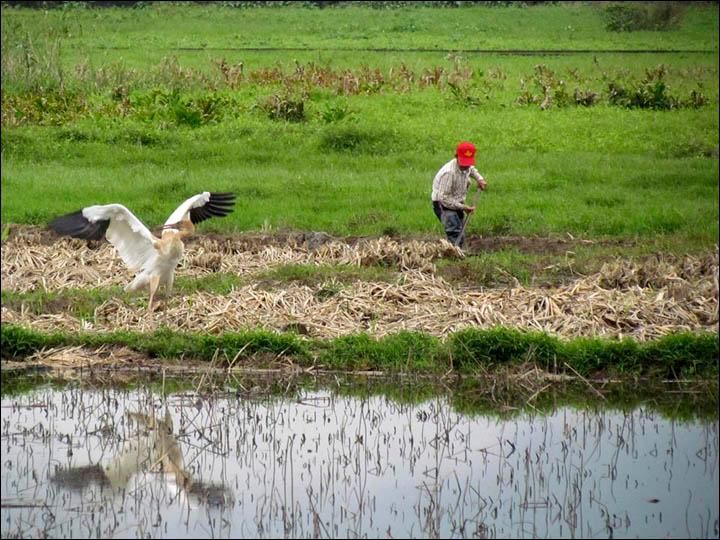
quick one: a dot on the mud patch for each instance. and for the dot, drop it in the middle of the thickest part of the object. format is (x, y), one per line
(60, 304)
(535, 244)
(312, 240)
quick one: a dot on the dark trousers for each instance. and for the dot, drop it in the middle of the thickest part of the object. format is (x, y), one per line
(452, 222)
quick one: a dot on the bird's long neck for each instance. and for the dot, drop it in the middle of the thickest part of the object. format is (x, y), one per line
(171, 242)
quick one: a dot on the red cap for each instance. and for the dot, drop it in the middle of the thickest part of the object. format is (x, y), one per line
(465, 154)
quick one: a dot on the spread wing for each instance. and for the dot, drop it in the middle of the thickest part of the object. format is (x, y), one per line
(131, 238)
(203, 206)
(135, 456)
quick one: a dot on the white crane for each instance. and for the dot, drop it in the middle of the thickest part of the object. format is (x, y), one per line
(153, 259)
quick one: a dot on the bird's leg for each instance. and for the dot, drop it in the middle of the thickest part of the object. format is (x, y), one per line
(154, 282)
(168, 290)
(169, 286)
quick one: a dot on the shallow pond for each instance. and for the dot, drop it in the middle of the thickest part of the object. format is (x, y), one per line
(79, 462)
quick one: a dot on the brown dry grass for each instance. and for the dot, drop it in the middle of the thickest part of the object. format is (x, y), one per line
(625, 298)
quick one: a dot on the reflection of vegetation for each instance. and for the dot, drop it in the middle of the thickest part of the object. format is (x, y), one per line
(18, 382)
(508, 397)
(400, 390)
(674, 356)
(504, 395)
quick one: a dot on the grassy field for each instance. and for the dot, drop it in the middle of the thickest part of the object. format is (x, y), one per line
(166, 25)
(94, 113)
(337, 119)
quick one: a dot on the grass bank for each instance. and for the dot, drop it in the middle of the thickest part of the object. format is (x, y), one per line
(674, 356)
(114, 33)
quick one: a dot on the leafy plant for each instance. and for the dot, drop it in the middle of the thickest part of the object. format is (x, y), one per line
(335, 112)
(633, 16)
(284, 107)
(649, 93)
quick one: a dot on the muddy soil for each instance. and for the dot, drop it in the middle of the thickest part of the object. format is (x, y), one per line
(475, 244)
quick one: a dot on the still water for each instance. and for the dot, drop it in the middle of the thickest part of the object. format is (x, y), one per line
(111, 463)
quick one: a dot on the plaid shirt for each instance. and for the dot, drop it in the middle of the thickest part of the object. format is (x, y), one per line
(450, 185)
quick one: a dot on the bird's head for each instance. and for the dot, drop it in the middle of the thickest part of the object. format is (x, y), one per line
(182, 228)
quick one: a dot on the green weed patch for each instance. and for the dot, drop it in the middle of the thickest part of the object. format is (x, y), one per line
(658, 16)
(670, 357)
(298, 100)
(328, 276)
(405, 351)
(79, 303)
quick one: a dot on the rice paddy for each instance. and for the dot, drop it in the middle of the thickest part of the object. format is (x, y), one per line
(89, 460)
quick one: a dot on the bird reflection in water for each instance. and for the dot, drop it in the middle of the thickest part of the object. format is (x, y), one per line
(152, 448)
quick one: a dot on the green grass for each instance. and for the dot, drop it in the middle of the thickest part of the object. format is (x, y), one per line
(508, 267)
(215, 283)
(94, 114)
(602, 172)
(80, 303)
(169, 26)
(325, 276)
(469, 351)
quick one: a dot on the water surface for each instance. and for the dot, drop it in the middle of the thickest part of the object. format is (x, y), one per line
(111, 463)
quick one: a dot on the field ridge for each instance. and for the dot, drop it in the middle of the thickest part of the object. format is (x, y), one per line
(625, 298)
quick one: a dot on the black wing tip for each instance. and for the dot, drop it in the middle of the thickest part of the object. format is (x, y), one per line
(76, 225)
(77, 213)
(220, 204)
(68, 222)
(222, 196)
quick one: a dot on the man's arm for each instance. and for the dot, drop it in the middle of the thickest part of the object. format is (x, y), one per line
(481, 183)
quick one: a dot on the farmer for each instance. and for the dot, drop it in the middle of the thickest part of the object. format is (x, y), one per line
(450, 188)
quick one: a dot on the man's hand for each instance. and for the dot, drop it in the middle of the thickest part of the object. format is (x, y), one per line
(481, 184)
(469, 209)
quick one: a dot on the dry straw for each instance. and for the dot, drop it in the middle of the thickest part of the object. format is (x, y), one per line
(624, 298)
